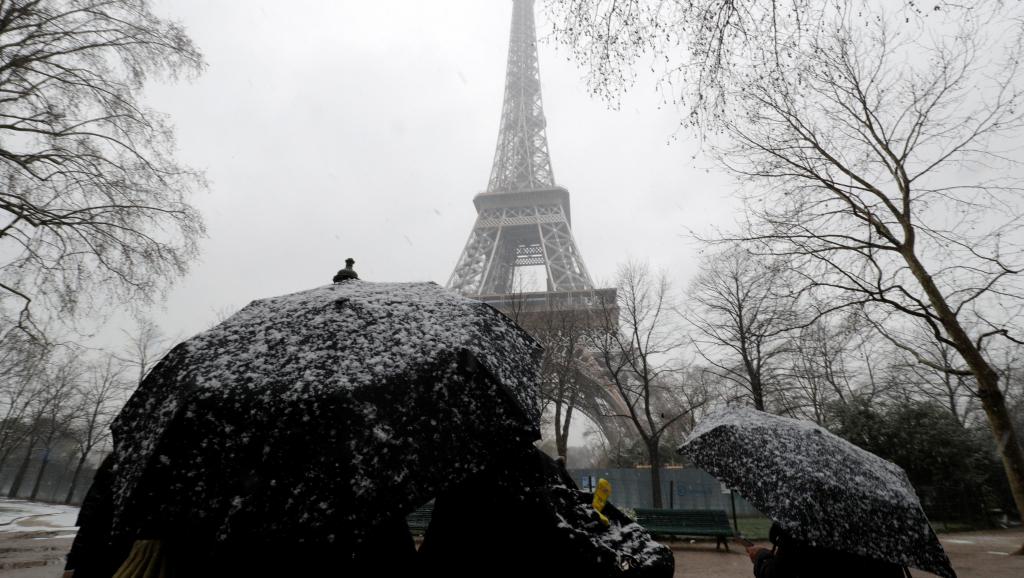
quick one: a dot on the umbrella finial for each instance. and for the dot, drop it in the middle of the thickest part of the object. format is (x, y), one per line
(347, 273)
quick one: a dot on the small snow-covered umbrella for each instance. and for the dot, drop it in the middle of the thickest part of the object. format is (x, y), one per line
(820, 488)
(313, 416)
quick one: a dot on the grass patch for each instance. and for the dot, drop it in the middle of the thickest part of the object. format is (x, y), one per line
(757, 528)
(942, 526)
(754, 528)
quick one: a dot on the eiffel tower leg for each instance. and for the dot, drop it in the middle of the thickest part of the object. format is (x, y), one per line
(477, 258)
(501, 270)
(566, 271)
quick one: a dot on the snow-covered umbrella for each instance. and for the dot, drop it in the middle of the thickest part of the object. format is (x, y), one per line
(820, 488)
(313, 416)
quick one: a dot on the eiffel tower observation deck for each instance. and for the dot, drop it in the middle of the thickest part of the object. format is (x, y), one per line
(524, 219)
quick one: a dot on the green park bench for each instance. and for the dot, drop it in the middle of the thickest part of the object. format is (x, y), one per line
(687, 523)
(420, 518)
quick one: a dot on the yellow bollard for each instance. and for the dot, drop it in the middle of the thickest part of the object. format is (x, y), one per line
(601, 495)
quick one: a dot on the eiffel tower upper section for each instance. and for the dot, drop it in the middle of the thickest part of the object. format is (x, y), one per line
(521, 161)
(523, 218)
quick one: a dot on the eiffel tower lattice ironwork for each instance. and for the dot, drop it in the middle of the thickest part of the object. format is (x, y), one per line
(524, 219)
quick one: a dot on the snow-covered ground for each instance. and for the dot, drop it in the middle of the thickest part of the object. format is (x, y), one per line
(22, 516)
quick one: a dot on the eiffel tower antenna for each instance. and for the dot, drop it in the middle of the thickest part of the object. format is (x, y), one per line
(524, 218)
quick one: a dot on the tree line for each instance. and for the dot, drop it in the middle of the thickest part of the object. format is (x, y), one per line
(57, 403)
(94, 211)
(739, 333)
(873, 146)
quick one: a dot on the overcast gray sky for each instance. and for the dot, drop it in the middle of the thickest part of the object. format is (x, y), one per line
(331, 129)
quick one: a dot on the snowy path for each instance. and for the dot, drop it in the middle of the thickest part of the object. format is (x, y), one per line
(34, 538)
(23, 516)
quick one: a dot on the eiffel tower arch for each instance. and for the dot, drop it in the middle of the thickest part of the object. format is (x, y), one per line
(524, 220)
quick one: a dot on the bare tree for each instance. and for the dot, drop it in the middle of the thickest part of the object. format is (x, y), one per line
(93, 203)
(47, 417)
(741, 318)
(944, 379)
(563, 334)
(558, 329)
(22, 361)
(698, 46)
(639, 350)
(61, 411)
(878, 151)
(1011, 371)
(146, 346)
(834, 359)
(99, 397)
(856, 149)
(817, 368)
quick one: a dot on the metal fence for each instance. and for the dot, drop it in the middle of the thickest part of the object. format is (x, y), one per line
(681, 489)
(694, 489)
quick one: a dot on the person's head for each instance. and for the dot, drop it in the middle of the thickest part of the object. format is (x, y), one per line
(776, 534)
(349, 262)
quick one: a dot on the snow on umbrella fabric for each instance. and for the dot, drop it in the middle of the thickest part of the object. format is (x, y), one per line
(822, 489)
(314, 416)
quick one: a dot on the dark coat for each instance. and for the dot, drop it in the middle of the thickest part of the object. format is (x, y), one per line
(546, 527)
(794, 559)
(388, 550)
(95, 553)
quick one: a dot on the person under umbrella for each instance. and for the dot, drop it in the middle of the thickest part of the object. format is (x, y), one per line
(305, 427)
(296, 436)
(834, 503)
(548, 528)
(791, 558)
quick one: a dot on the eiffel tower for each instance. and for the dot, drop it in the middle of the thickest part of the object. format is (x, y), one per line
(524, 219)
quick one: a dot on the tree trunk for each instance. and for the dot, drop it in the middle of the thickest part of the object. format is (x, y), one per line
(74, 478)
(559, 442)
(1007, 441)
(22, 470)
(755, 389)
(652, 451)
(991, 396)
(754, 376)
(58, 483)
(562, 422)
(39, 475)
(562, 436)
(10, 445)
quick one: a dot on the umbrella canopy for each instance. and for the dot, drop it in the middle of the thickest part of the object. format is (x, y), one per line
(314, 416)
(822, 489)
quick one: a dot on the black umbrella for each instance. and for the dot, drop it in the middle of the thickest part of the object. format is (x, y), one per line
(314, 416)
(822, 489)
